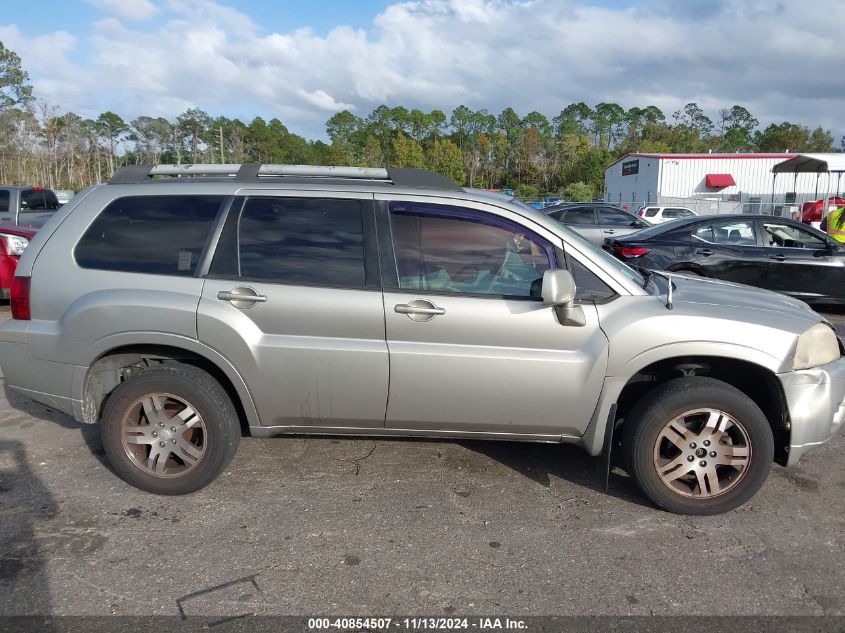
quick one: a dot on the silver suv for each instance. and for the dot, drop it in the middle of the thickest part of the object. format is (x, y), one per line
(181, 306)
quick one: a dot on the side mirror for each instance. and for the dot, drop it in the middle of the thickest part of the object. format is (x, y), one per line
(558, 291)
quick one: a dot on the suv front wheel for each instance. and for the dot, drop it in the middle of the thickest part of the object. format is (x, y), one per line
(170, 430)
(698, 446)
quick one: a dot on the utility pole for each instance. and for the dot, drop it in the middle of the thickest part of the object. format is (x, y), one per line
(222, 157)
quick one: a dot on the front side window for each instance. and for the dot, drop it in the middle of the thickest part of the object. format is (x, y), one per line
(307, 241)
(449, 249)
(161, 235)
(790, 236)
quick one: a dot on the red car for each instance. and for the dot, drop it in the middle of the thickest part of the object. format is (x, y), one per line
(13, 241)
(812, 211)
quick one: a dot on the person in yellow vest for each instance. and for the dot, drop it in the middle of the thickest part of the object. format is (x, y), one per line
(834, 224)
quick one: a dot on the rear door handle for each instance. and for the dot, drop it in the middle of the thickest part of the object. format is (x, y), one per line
(779, 257)
(610, 231)
(704, 251)
(419, 309)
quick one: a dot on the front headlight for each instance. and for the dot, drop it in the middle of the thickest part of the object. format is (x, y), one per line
(15, 244)
(817, 346)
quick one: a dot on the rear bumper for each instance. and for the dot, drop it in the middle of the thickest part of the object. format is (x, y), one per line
(816, 401)
(43, 381)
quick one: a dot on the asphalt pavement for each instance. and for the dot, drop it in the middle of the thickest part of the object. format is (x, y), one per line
(301, 526)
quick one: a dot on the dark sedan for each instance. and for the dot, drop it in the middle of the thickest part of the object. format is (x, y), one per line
(759, 250)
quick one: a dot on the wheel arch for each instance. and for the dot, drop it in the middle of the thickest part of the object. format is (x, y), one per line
(94, 382)
(756, 381)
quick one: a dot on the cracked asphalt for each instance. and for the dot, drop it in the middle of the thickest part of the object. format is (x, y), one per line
(301, 526)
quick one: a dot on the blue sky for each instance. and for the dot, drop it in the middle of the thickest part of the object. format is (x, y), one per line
(303, 61)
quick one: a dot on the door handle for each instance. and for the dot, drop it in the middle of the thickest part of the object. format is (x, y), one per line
(419, 309)
(610, 231)
(241, 297)
(704, 251)
(779, 257)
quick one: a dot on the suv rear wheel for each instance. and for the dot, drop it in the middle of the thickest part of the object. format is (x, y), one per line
(698, 446)
(169, 430)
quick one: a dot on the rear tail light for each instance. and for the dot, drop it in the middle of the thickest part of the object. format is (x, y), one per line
(19, 298)
(641, 212)
(630, 251)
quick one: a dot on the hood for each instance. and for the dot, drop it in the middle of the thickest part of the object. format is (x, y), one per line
(716, 292)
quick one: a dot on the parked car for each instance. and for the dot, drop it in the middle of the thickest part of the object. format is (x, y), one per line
(596, 221)
(13, 242)
(658, 215)
(811, 212)
(27, 206)
(766, 251)
(308, 300)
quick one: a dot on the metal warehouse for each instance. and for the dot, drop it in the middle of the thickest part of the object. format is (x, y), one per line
(712, 183)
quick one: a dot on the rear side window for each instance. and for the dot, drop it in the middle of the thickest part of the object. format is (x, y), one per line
(4, 200)
(579, 215)
(651, 212)
(38, 200)
(304, 241)
(615, 217)
(159, 235)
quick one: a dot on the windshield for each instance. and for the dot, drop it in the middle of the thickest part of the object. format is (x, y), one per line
(606, 258)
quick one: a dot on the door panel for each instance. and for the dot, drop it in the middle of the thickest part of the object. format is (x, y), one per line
(311, 356)
(293, 303)
(729, 250)
(470, 349)
(616, 223)
(800, 264)
(492, 365)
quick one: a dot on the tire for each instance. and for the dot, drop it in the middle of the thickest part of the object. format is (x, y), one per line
(658, 455)
(169, 430)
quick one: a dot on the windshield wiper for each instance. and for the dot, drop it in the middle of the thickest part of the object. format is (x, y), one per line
(648, 274)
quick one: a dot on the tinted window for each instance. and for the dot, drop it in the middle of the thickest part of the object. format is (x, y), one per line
(588, 287)
(790, 236)
(609, 215)
(671, 213)
(730, 233)
(4, 200)
(162, 235)
(302, 241)
(449, 249)
(38, 200)
(651, 212)
(579, 215)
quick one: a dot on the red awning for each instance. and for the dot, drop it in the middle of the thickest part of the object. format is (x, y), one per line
(719, 181)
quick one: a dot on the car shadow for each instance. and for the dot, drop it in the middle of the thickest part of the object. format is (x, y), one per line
(24, 502)
(538, 462)
(90, 432)
(542, 462)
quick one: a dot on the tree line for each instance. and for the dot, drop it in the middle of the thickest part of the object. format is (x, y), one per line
(565, 154)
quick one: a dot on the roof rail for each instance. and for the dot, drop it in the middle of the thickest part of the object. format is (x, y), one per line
(257, 172)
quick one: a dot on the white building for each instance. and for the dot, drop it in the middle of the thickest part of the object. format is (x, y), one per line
(711, 183)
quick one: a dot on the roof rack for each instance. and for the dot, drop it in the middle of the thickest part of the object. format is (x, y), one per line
(257, 172)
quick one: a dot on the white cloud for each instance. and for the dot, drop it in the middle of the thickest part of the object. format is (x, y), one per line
(781, 60)
(128, 9)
